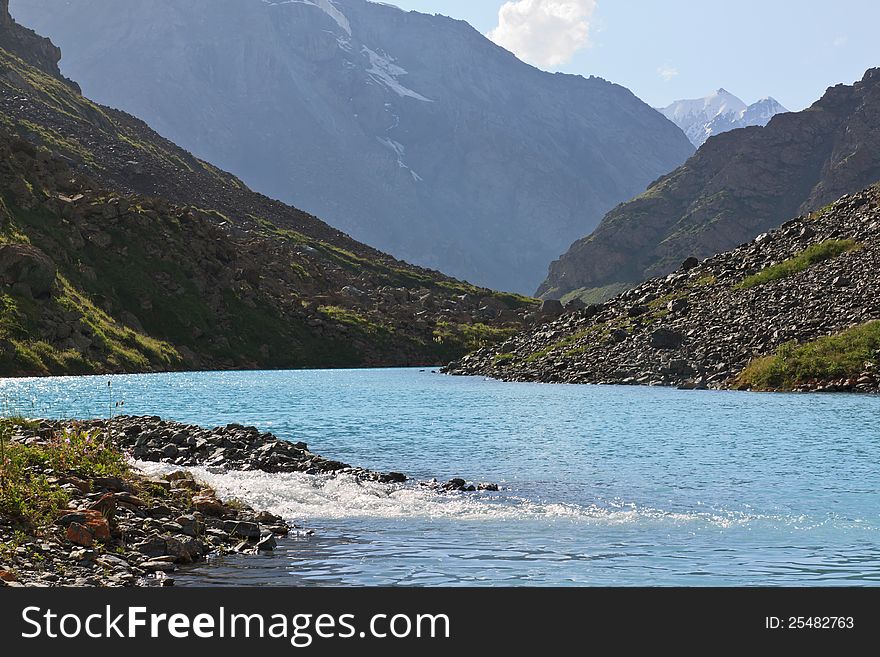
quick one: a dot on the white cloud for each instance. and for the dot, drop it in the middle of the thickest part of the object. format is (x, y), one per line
(667, 72)
(840, 41)
(545, 33)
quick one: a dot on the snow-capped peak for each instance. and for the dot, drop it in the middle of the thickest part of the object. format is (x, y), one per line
(705, 109)
(720, 111)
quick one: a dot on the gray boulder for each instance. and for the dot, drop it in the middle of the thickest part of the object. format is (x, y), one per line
(552, 308)
(664, 338)
(26, 267)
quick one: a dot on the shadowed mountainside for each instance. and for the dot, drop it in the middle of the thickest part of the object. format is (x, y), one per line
(413, 133)
(120, 251)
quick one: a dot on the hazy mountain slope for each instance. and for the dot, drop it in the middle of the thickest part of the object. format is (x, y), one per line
(719, 112)
(795, 308)
(119, 251)
(738, 185)
(413, 133)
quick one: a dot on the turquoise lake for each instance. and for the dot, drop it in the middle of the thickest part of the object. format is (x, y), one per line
(600, 485)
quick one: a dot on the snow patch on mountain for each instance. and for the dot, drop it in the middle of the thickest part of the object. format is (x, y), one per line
(400, 151)
(324, 5)
(346, 124)
(384, 71)
(382, 67)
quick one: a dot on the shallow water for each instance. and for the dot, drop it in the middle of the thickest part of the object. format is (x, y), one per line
(601, 485)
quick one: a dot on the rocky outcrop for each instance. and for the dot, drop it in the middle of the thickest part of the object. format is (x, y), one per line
(701, 325)
(27, 270)
(737, 186)
(413, 133)
(30, 46)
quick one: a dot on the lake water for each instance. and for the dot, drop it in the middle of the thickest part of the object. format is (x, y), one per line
(601, 485)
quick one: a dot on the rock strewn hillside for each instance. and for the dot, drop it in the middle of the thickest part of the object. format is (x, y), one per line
(122, 252)
(702, 325)
(413, 133)
(738, 185)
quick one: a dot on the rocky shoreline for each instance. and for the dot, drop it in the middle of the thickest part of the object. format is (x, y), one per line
(135, 530)
(237, 447)
(127, 531)
(703, 325)
(232, 447)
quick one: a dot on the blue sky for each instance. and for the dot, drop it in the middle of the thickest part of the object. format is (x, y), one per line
(664, 50)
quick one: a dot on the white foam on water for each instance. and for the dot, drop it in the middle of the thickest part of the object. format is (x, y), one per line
(297, 496)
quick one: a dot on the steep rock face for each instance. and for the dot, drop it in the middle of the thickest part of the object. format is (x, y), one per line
(28, 45)
(703, 324)
(738, 185)
(413, 133)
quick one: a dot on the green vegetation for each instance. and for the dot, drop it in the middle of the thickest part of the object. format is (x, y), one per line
(21, 319)
(391, 273)
(128, 348)
(47, 89)
(833, 357)
(59, 142)
(160, 292)
(130, 267)
(63, 99)
(821, 211)
(454, 340)
(705, 281)
(221, 175)
(30, 498)
(572, 345)
(814, 254)
(595, 295)
(659, 304)
(355, 320)
(159, 154)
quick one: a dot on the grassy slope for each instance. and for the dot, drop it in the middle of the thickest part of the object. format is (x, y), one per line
(843, 355)
(813, 255)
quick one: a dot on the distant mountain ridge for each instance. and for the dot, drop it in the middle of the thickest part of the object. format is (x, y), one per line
(719, 112)
(413, 133)
(738, 185)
